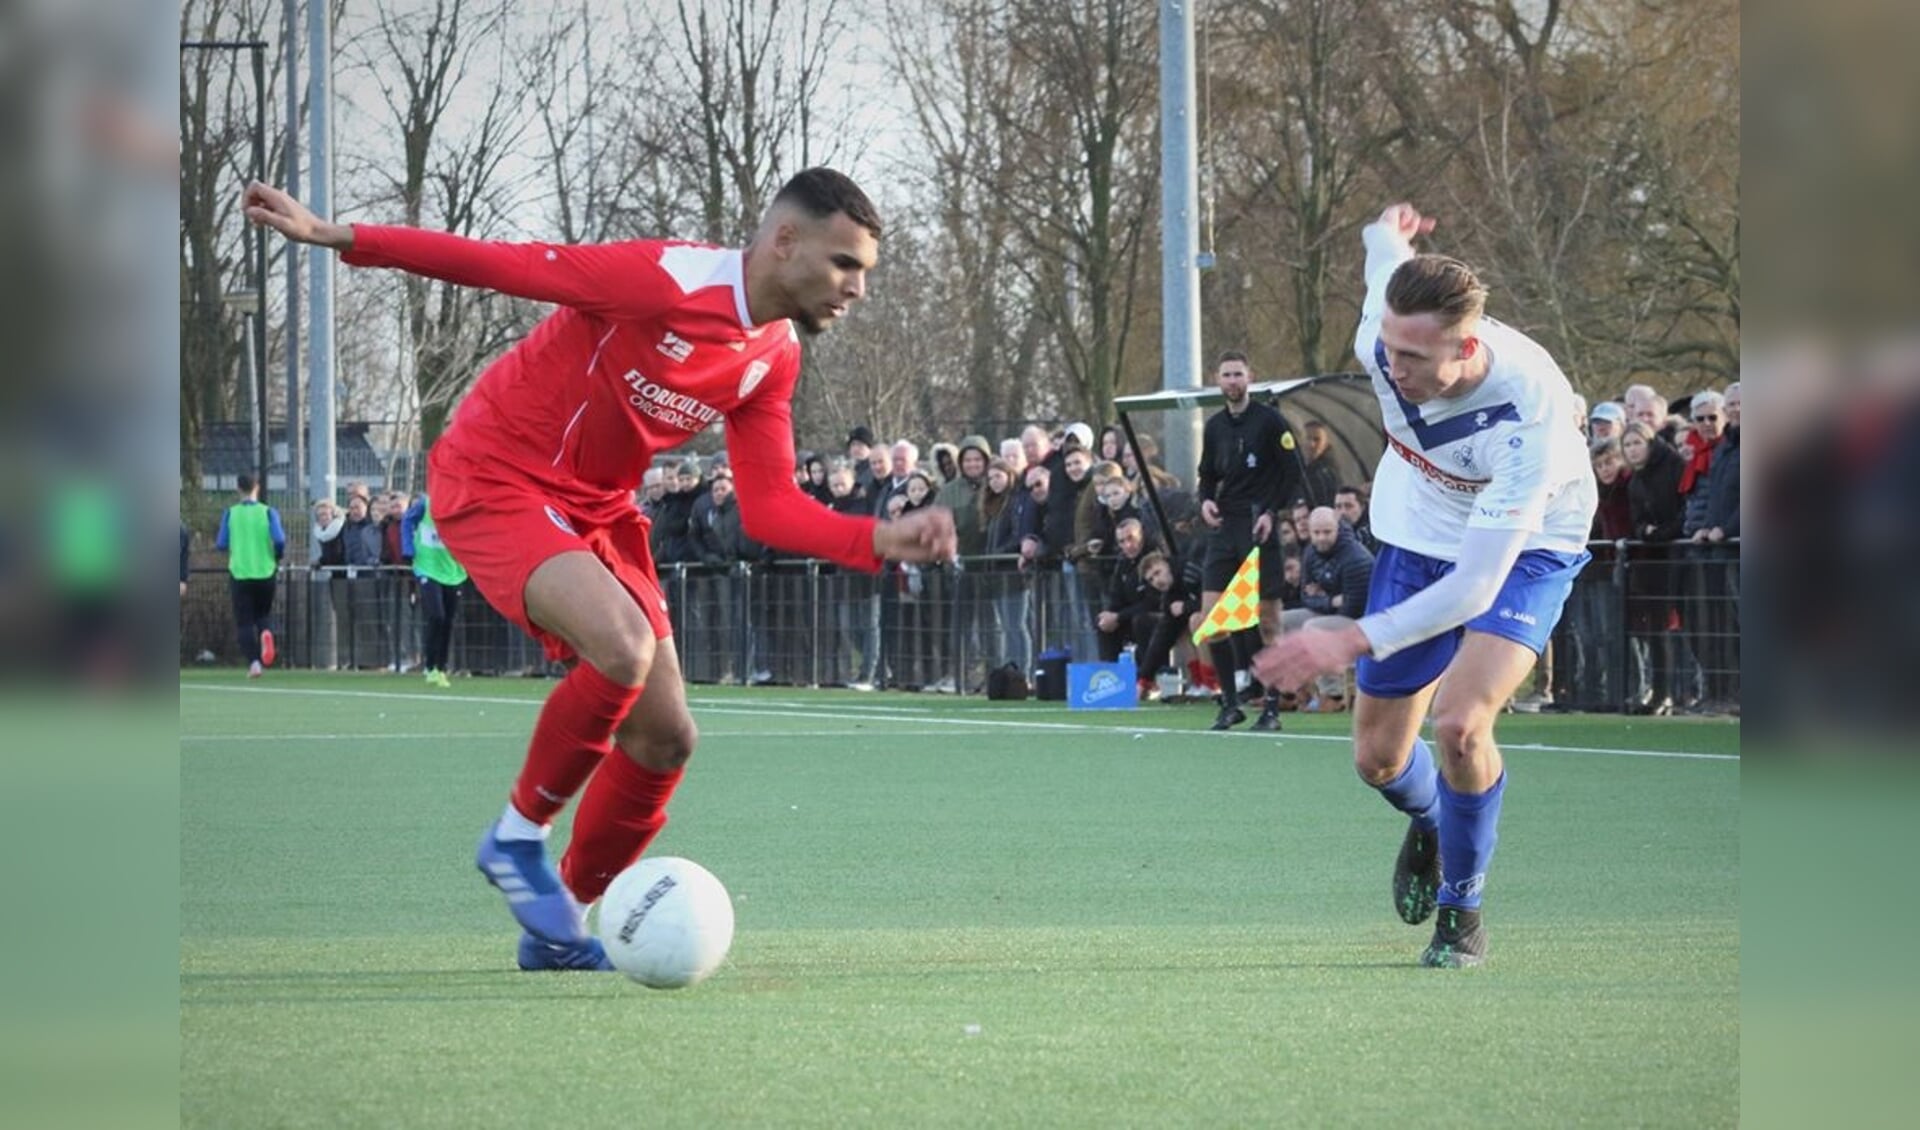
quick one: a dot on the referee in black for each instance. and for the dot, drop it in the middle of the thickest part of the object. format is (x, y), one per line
(1249, 474)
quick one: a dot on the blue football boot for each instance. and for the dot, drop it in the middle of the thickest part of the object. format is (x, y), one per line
(534, 893)
(585, 954)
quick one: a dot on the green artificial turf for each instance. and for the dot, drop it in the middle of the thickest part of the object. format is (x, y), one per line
(950, 912)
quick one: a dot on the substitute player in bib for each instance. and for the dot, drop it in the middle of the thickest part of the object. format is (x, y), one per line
(1482, 505)
(533, 485)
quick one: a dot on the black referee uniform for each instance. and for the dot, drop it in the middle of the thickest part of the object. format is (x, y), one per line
(1249, 466)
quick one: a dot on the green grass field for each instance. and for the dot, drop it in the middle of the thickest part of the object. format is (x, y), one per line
(950, 912)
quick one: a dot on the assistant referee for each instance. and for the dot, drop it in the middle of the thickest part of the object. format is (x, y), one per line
(1250, 472)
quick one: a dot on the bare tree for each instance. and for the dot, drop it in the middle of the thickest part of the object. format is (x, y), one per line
(875, 369)
(456, 106)
(748, 75)
(1082, 175)
(217, 105)
(213, 153)
(1677, 215)
(607, 140)
(952, 60)
(1599, 184)
(1300, 125)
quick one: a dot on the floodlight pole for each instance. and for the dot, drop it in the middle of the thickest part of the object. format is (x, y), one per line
(320, 359)
(1180, 235)
(296, 441)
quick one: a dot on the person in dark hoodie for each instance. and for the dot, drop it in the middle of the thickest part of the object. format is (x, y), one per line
(360, 537)
(721, 541)
(1704, 620)
(674, 517)
(1335, 571)
(1591, 624)
(852, 595)
(367, 620)
(1716, 541)
(1130, 611)
(813, 481)
(1178, 604)
(962, 493)
(1008, 515)
(1655, 506)
(973, 622)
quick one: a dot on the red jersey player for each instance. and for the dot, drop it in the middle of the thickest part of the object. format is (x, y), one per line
(533, 486)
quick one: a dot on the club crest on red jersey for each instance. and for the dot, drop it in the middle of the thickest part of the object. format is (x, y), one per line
(750, 380)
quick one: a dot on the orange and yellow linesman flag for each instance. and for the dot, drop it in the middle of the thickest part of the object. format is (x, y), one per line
(1239, 606)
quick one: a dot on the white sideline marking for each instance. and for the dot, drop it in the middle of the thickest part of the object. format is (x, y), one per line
(829, 713)
(414, 735)
(787, 704)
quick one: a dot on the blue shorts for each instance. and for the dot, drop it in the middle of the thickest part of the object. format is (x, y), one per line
(1525, 612)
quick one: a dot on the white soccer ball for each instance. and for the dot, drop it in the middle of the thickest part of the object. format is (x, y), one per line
(666, 922)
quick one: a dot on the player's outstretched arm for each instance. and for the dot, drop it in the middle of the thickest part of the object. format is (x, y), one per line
(1298, 656)
(616, 280)
(270, 207)
(1389, 243)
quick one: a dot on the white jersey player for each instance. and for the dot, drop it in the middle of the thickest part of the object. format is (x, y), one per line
(1482, 504)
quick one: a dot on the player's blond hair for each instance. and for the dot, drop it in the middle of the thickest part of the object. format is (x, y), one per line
(1437, 284)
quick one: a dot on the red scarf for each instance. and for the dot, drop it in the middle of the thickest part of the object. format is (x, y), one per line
(1697, 466)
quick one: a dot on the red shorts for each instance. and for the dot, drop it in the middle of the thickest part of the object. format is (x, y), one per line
(502, 527)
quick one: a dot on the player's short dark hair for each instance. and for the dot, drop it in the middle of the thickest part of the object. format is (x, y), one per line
(247, 482)
(820, 192)
(1436, 284)
(1227, 355)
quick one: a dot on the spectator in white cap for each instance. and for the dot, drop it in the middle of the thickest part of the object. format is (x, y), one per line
(1607, 420)
(1081, 432)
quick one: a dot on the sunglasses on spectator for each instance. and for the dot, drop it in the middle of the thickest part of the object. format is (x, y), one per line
(1704, 419)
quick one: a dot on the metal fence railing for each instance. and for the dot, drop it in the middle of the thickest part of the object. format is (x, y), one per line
(1646, 624)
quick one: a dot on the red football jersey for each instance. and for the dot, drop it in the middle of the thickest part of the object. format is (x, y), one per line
(651, 344)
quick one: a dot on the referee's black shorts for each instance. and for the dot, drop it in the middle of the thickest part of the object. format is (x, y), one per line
(1228, 546)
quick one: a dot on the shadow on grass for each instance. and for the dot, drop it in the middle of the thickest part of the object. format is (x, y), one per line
(389, 986)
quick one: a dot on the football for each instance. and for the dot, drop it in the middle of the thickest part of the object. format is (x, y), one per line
(666, 922)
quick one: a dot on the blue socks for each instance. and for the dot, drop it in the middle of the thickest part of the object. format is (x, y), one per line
(1469, 827)
(1468, 824)
(1412, 792)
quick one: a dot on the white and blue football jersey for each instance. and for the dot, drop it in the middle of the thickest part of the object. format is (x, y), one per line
(1508, 455)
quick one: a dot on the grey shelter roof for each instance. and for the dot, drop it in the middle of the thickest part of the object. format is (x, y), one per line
(227, 451)
(1345, 402)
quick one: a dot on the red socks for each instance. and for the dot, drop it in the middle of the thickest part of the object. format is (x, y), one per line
(624, 807)
(625, 804)
(574, 732)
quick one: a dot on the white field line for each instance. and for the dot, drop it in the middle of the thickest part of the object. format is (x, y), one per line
(787, 704)
(412, 735)
(832, 713)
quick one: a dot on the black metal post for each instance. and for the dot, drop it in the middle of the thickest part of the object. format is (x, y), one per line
(258, 48)
(1146, 484)
(255, 238)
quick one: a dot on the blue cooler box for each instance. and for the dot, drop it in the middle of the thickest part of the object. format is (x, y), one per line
(1102, 686)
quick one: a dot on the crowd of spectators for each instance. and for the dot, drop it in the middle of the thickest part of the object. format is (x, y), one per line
(366, 596)
(1668, 531)
(1060, 550)
(1055, 521)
